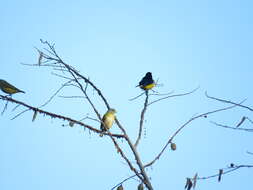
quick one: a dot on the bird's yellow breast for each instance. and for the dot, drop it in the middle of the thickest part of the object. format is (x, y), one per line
(9, 90)
(108, 120)
(148, 87)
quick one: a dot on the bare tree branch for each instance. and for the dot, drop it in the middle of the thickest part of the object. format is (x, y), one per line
(228, 102)
(123, 181)
(51, 98)
(52, 115)
(142, 119)
(5, 108)
(162, 94)
(183, 126)
(134, 98)
(146, 180)
(234, 128)
(175, 95)
(119, 150)
(226, 171)
(19, 114)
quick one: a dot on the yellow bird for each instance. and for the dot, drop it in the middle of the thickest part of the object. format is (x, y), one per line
(147, 82)
(108, 120)
(8, 88)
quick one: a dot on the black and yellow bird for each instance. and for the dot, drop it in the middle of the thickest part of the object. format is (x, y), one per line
(147, 82)
(107, 120)
(8, 88)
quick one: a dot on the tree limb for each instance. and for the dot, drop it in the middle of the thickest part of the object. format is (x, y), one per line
(226, 171)
(53, 115)
(182, 127)
(228, 102)
(142, 119)
(175, 95)
(234, 128)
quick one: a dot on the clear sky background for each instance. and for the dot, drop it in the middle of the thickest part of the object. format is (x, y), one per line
(185, 44)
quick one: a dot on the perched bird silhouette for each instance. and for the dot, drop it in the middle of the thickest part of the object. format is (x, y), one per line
(8, 88)
(147, 82)
(107, 120)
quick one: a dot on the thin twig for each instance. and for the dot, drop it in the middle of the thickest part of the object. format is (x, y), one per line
(5, 108)
(87, 117)
(228, 101)
(225, 171)
(71, 97)
(123, 181)
(15, 107)
(19, 114)
(61, 76)
(134, 98)
(51, 98)
(234, 128)
(162, 94)
(175, 95)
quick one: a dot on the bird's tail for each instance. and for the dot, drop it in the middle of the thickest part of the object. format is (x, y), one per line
(102, 128)
(21, 91)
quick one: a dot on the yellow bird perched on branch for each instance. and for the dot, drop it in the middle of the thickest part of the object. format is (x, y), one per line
(8, 88)
(108, 120)
(147, 82)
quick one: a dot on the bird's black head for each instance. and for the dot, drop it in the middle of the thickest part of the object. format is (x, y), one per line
(148, 74)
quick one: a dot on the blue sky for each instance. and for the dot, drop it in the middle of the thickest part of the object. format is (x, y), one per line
(184, 44)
